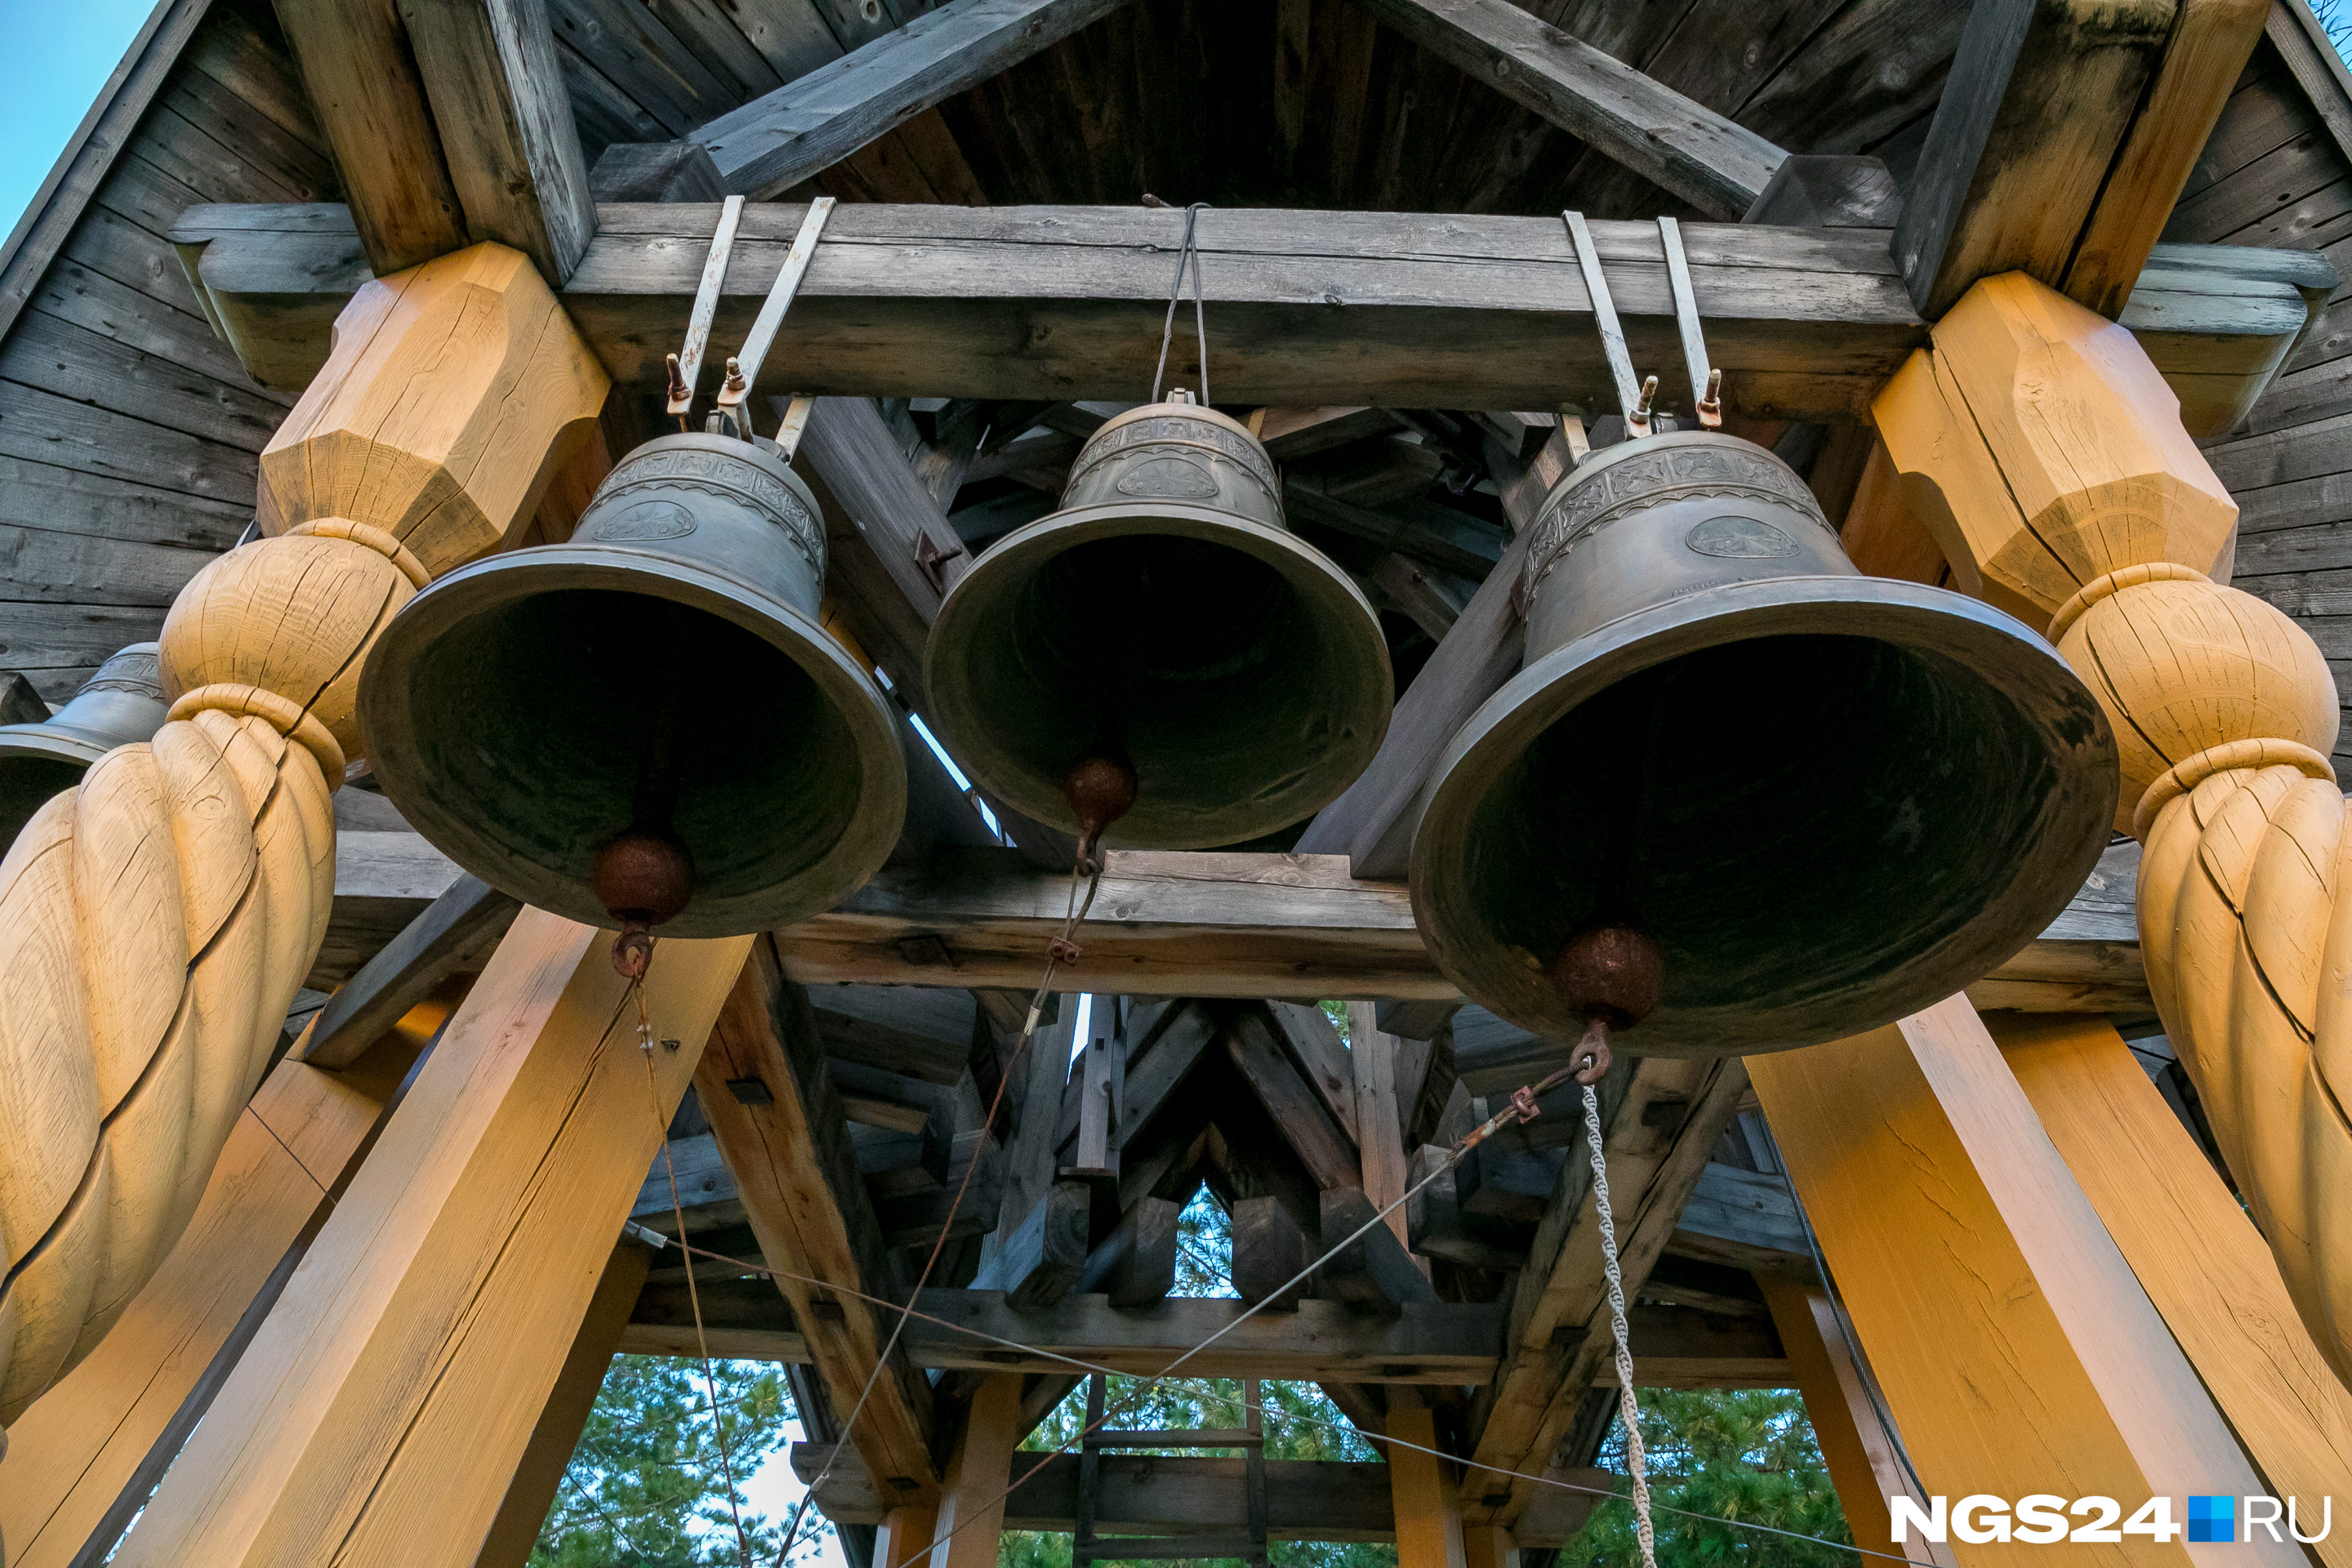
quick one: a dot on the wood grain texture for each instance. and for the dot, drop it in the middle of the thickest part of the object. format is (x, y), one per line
(77, 1457)
(1428, 1519)
(971, 1504)
(457, 391)
(2193, 1250)
(377, 1417)
(364, 82)
(505, 126)
(1706, 158)
(775, 142)
(2014, 1346)
(2040, 96)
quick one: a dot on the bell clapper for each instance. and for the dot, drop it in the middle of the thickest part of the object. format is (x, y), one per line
(1100, 790)
(643, 877)
(1612, 976)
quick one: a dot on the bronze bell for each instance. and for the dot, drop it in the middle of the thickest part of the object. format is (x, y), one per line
(653, 698)
(1828, 800)
(122, 705)
(1166, 619)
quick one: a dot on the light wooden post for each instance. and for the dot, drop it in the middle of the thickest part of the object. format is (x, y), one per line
(2200, 1259)
(2050, 458)
(1428, 1516)
(156, 920)
(381, 1410)
(2016, 1350)
(971, 1500)
(1489, 1546)
(903, 1538)
(532, 1489)
(81, 1460)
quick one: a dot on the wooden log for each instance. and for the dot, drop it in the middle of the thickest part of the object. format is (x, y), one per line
(1979, 1279)
(1705, 158)
(796, 1173)
(1428, 1516)
(471, 915)
(1373, 1274)
(1137, 1266)
(813, 121)
(364, 86)
(1269, 1252)
(1039, 1260)
(2202, 60)
(504, 119)
(1047, 303)
(2191, 1245)
(531, 1490)
(971, 1500)
(2038, 98)
(367, 1397)
(83, 1458)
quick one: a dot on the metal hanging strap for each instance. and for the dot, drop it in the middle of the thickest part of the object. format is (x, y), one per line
(1185, 253)
(1707, 381)
(1632, 400)
(686, 365)
(743, 370)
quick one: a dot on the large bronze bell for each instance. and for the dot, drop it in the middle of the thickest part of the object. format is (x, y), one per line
(1826, 800)
(122, 705)
(1165, 620)
(659, 683)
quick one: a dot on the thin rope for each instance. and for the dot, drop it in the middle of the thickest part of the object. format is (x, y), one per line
(1629, 1407)
(1185, 253)
(1074, 914)
(693, 1296)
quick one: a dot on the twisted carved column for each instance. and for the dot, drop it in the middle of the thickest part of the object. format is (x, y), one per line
(156, 920)
(2047, 457)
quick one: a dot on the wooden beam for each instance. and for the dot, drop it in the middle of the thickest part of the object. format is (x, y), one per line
(1665, 1122)
(1039, 1260)
(1462, 312)
(1215, 923)
(2294, 30)
(2204, 58)
(370, 1396)
(1321, 1143)
(1372, 1274)
(83, 1458)
(364, 86)
(500, 105)
(2014, 1346)
(1379, 1121)
(1428, 1516)
(469, 916)
(972, 1502)
(1269, 1254)
(2191, 1248)
(531, 1490)
(2039, 97)
(1706, 159)
(1135, 1265)
(796, 1175)
(812, 122)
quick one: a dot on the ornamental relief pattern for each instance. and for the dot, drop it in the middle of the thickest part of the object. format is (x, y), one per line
(1676, 473)
(135, 672)
(728, 478)
(1181, 432)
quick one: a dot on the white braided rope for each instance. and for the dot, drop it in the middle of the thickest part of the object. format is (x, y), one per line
(1636, 1463)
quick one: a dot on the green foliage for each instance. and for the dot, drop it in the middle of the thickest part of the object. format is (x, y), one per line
(646, 1488)
(1743, 1454)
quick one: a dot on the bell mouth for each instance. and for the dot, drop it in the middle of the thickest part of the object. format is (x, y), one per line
(1830, 801)
(1204, 645)
(506, 707)
(36, 763)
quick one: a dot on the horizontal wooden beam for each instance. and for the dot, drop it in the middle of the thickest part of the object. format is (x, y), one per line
(1711, 161)
(1399, 310)
(781, 138)
(1306, 1500)
(1169, 923)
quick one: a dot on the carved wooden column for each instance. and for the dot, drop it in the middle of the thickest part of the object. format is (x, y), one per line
(2047, 457)
(156, 920)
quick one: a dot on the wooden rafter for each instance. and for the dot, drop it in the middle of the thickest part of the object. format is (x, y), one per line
(1433, 311)
(778, 140)
(1706, 158)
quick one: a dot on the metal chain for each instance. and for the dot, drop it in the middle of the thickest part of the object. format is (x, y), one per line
(1636, 1463)
(1185, 253)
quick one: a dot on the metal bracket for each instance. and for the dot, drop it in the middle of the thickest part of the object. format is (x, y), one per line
(1632, 400)
(743, 370)
(686, 365)
(932, 559)
(1707, 381)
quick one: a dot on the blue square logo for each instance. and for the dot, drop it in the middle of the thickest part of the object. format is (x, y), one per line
(2212, 1519)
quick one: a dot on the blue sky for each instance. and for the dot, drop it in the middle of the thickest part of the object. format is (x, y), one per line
(53, 59)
